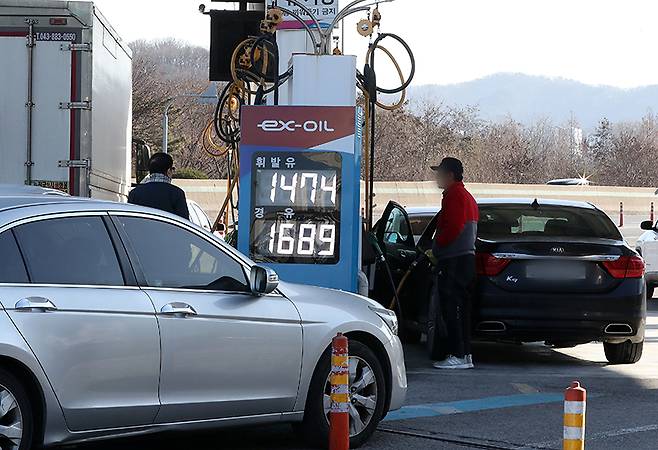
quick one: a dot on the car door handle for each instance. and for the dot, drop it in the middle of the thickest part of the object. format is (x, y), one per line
(178, 309)
(35, 304)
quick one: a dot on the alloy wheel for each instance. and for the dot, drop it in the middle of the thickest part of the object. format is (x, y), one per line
(11, 421)
(363, 395)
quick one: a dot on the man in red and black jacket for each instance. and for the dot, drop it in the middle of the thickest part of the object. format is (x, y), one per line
(454, 251)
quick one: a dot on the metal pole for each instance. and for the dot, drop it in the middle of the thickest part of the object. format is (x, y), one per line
(31, 42)
(342, 38)
(165, 118)
(165, 129)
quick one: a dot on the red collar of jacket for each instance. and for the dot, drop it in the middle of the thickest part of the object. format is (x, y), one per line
(455, 185)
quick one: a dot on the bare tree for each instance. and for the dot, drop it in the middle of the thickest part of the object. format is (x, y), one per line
(407, 140)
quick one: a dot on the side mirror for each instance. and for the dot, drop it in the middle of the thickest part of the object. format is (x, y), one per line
(647, 225)
(142, 157)
(262, 280)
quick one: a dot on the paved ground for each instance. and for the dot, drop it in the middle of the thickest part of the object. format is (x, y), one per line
(512, 400)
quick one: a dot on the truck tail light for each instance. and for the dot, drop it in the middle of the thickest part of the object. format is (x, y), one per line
(489, 265)
(58, 21)
(625, 267)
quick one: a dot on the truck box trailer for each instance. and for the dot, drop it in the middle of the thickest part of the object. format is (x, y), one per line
(65, 99)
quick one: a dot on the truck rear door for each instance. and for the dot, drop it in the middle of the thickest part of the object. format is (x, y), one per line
(37, 128)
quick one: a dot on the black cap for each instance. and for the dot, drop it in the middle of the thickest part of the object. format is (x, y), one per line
(451, 165)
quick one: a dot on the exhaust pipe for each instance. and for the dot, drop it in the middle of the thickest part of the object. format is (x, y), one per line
(618, 328)
(491, 326)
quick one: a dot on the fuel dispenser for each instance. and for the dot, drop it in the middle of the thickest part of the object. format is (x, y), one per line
(294, 134)
(299, 201)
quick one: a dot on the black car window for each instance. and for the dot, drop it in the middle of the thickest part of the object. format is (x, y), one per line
(420, 222)
(12, 269)
(396, 230)
(499, 221)
(71, 250)
(173, 257)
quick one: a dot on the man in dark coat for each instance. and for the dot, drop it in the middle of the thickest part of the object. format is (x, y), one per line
(156, 190)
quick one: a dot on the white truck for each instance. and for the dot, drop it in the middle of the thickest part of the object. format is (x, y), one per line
(65, 99)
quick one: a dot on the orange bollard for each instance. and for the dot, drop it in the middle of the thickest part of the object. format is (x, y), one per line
(574, 417)
(339, 416)
(621, 214)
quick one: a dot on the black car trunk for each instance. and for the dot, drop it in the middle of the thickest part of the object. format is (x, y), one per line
(550, 266)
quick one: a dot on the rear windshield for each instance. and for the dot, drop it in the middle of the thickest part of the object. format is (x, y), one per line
(500, 221)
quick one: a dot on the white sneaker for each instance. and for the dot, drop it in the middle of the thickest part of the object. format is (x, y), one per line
(469, 357)
(452, 362)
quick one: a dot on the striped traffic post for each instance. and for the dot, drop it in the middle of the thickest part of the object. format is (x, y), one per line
(339, 416)
(574, 417)
(621, 214)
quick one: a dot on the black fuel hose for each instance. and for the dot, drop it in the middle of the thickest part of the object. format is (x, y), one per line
(371, 60)
(381, 258)
(417, 262)
(368, 80)
(265, 40)
(223, 127)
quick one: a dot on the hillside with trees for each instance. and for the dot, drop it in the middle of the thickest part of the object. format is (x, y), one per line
(503, 150)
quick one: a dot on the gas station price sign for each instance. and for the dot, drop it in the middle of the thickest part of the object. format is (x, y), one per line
(299, 209)
(296, 207)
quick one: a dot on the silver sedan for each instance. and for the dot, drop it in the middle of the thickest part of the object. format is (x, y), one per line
(119, 320)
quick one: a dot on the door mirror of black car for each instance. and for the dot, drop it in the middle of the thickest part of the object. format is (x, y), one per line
(263, 280)
(142, 157)
(647, 225)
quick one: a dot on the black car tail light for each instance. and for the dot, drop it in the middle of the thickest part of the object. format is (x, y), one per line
(490, 265)
(625, 267)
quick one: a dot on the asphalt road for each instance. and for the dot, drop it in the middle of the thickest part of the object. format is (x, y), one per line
(511, 400)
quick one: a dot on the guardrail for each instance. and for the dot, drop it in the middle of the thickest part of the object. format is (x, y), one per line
(210, 194)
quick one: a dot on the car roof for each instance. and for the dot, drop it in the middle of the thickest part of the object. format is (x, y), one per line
(422, 210)
(570, 182)
(17, 201)
(427, 210)
(29, 205)
(13, 209)
(530, 201)
(21, 189)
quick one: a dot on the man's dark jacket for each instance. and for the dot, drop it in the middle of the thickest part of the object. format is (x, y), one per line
(163, 196)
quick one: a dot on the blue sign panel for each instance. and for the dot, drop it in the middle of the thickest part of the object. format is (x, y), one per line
(300, 193)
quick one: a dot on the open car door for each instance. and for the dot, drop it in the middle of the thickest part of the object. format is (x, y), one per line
(395, 239)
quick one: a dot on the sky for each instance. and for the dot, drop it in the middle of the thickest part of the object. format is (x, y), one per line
(609, 42)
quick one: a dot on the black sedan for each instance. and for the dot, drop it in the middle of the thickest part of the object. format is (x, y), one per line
(552, 271)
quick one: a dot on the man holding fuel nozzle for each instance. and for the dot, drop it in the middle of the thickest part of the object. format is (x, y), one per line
(454, 254)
